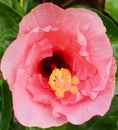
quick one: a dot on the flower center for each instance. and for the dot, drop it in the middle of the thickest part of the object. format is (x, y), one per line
(61, 81)
(48, 62)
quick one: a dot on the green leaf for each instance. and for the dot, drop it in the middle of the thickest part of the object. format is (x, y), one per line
(52, 128)
(111, 7)
(28, 5)
(116, 88)
(115, 49)
(14, 125)
(7, 2)
(16, 5)
(24, 6)
(21, 7)
(9, 21)
(6, 106)
(33, 128)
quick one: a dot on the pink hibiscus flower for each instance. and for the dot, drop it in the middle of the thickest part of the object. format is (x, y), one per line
(60, 68)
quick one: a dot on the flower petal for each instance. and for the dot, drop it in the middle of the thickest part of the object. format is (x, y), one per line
(99, 48)
(16, 54)
(58, 39)
(29, 112)
(38, 87)
(98, 106)
(39, 51)
(87, 108)
(85, 68)
(44, 15)
(86, 21)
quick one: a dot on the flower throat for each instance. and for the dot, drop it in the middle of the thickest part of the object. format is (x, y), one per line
(60, 78)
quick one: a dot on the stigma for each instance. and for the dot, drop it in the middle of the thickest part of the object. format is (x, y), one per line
(62, 81)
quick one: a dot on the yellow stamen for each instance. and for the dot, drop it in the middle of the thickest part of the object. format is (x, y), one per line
(75, 80)
(73, 89)
(61, 81)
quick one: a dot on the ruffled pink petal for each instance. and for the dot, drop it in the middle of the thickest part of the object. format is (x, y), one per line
(59, 39)
(16, 54)
(98, 106)
(39, 51)
(99, 48)
(87, 108)
(38, 87)
(85, 21)
(93, 85)
(70, 98)
(31, 113)
(82, 67)
(44, 15)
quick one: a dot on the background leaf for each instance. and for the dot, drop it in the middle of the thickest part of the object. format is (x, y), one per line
(14, 125)
(16, 5)
(11, 14)
(29, 4)
(52, 128)
(9, 21)
(5, 106)
(111, 7)
(7, 2)
(115, 48)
